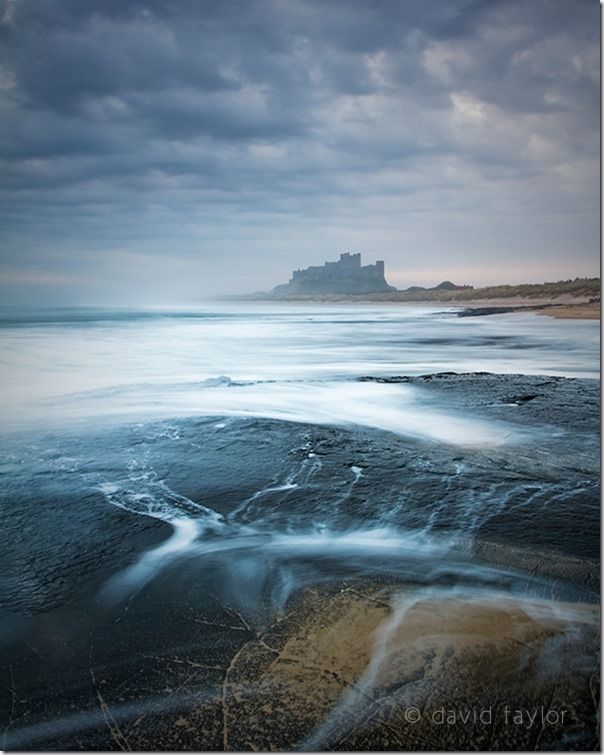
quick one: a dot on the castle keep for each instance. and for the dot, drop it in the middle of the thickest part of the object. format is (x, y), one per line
(346, 276)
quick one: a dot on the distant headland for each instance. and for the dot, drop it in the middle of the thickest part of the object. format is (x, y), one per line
(347, 280)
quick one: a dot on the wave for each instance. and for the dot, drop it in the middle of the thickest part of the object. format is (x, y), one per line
(398, 408)
(252, 555)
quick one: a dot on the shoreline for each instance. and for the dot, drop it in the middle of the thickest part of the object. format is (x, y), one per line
(557, 310)
(590, 311)
(561, 307)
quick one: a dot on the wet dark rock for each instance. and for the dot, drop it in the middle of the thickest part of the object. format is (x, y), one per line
(253, 650)
(484, 311)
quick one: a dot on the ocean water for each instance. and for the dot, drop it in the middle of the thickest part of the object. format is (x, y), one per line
(234, 455)
(287, 362)
(99, 382)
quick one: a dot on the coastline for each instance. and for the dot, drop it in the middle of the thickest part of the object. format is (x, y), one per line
(560, 308)
(556, 309)
(574, 312)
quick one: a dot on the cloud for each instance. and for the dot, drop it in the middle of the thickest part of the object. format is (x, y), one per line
(267, 134)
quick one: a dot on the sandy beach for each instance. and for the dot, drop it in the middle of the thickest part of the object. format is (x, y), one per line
(570, 310)
(573, 312)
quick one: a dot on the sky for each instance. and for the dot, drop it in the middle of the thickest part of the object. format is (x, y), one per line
(155, 152)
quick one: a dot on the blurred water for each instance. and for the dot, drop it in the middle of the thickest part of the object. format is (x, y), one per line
(266, 360)
(211, 463)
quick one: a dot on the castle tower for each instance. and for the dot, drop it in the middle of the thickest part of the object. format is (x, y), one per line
(346, 276)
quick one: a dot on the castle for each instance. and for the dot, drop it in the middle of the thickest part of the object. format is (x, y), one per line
(346, 276)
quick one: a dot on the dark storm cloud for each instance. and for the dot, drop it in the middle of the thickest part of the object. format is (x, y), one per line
(132, 122)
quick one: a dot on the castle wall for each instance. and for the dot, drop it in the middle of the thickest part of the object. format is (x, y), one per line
(345, 275)
(347, 265)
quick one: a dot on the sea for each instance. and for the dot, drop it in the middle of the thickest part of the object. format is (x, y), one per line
(290, 362)
(250, 451)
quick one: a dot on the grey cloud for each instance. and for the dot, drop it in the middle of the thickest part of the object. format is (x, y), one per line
(145, 120)
(63, 68)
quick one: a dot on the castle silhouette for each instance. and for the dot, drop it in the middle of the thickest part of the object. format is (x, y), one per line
(346, 276)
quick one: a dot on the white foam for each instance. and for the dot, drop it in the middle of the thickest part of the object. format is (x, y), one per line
(153, 498)
(152, 359)
(364, 541)
(357, 472)
(398, 408)
(129, 581)
(406, 410)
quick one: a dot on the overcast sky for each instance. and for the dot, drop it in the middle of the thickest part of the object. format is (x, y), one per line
(156, 151)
